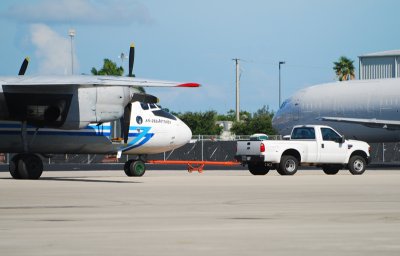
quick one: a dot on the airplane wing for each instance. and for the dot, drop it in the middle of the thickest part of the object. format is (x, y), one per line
(144, 82)
(373, 123)
(90, 81)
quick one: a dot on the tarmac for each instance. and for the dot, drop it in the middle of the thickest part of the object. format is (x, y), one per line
(214, 213)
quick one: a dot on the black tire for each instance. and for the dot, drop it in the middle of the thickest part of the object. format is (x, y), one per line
(258, 169)
(137, 168)
(127, 168)
(330, 170)
(357, 165)
(13, 167)
(30, 167)
(288, 165)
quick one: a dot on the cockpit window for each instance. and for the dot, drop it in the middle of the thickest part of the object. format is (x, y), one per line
(163, 113)
(144, 106)
(284, 104)
(153, 106)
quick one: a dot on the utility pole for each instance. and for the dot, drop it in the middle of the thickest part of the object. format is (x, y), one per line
(237, 90)
(280, 98)
(72, 33)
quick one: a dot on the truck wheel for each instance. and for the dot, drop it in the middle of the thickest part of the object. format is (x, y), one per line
(258, 169)
(288, 165)
(357, 165)
(330, 170)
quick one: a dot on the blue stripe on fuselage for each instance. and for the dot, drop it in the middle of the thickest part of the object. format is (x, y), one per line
(140, 135)
(141, 138)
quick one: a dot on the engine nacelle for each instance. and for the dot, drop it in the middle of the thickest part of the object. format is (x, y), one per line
(97, 105)
(71, 108)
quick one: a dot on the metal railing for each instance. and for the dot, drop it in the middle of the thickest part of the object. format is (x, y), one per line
(204, 148)
(229, 138)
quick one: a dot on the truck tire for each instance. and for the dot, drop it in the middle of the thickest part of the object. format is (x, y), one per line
(330, 170)
(357, 165)
(258, 169)
(288, 165)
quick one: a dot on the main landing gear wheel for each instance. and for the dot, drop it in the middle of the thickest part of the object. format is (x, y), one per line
(134, 168)
(258, 169)
(26, 166)
(13, 167)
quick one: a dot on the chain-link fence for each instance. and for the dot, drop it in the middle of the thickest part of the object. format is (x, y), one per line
(203, 148)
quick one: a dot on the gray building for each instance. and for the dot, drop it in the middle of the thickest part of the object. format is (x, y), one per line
(379, 65)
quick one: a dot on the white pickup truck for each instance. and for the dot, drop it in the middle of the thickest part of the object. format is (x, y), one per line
(309, 145)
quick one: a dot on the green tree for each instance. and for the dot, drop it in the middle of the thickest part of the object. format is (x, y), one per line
(109, 69)
(259, 122)
(344, 69)
(201, 122)
(230, 116)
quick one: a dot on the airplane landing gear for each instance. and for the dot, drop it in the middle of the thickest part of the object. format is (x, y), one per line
(134, 168)
(26, 166)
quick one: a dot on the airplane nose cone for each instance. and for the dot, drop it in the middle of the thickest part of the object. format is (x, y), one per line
(282, 121)
(277, 121)
(183, 135)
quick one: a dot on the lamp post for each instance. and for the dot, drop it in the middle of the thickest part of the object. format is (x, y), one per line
(72, 33)
(237, 89)
(280, 99)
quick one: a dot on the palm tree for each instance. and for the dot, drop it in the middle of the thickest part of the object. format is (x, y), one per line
(344, 69)
(109, 69)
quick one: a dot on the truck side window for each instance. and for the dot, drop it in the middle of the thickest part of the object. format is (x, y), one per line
(303, 133)
(330, 135)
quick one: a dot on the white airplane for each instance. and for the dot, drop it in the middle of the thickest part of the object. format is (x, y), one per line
(42, 115)
(360, 109)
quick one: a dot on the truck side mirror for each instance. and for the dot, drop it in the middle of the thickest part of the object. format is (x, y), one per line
(340, 140)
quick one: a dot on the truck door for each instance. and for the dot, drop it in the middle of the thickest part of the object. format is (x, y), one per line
(331, 150)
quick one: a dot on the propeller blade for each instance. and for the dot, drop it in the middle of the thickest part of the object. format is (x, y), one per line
(126, 120)
(24, 66)
(145, 98)
(131, 59)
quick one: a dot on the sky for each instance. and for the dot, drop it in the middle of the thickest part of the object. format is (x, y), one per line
(195, 41)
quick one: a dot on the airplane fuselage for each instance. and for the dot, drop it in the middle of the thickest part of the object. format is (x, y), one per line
(365, 100)
(151, 130)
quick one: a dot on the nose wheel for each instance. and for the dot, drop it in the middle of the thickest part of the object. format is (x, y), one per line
(134, 168)
(26, 166)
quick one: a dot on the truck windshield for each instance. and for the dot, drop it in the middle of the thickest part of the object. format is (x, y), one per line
(303, 133)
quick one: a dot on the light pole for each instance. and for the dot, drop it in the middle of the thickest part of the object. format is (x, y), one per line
(280, 99)
(237, 90)
(72, 33)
